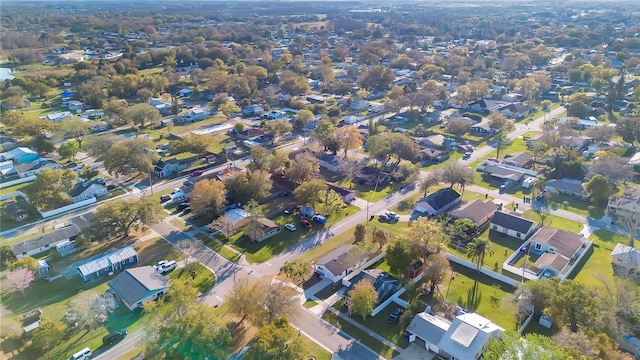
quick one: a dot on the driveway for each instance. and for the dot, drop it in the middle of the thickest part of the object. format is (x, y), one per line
(415, 352)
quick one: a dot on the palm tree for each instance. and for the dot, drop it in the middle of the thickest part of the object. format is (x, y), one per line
(538, 185)
(476, 251)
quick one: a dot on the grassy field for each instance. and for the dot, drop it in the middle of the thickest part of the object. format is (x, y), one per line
(219, 247)
(555, 221)
(380, 324)
(359, 335)
(503, 247)
(597, 262)
(14, 188)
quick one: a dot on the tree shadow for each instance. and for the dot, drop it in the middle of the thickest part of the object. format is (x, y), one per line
(238, 331)
(474, 296)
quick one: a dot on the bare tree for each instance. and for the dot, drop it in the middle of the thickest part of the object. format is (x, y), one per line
(20, 279)
(428, 180)
(89, 309)
(225, 226)
(42, 227)
(350, 169)
(631, 223)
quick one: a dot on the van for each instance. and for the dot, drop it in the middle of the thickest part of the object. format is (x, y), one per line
(82, 354)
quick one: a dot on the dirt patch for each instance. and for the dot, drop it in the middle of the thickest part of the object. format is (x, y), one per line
(153, 250)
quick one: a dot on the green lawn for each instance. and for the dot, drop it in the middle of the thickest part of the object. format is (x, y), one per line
(151, 71)
(258, 252)
(405, 207)
(315, 350)
(359, 335)
(203, 280)
(367, 192)
(380, 324)
(14, 188)
(219, 247)
(598, 259)
(503, 247)
(555, 221)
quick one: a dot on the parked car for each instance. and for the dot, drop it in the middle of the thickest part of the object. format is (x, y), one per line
(305, 223)
(165, 198)
(540, 196)
(188, 184)
(114, 337)
(290, 227)
(176, 191)
(82, 354)
(159, 264)
(168, 266)
(196, 173)
(466, 155)
(389, 216)
(394, 317)
(182, 206)
(289, 210)
(285, 193)
(319, 218)
(186, 210)
(503, 188)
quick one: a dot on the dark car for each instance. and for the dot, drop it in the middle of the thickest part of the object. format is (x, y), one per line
(186, 210)
(285, 193)
(289, 210)
(305, 223)
(182, 206)
(165, 198)
(196, 173)
(114, 337)
(394, 317)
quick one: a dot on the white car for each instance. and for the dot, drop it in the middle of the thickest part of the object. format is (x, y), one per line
(159, 264)
(290, 227)
(166, 267)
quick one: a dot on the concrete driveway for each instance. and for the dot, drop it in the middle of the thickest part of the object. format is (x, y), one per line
(415, 352)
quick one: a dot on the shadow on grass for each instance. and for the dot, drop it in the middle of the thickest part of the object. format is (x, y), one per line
(581, 264)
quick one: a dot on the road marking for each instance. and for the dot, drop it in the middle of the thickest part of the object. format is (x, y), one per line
(266, 263)
(219, 299)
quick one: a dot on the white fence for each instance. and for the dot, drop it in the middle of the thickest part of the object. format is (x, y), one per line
(17, 181)
(522, 272)
(489, 273)
(60, 210)
(526, 322)
(14, 194)
(394, 298)
(346, 281)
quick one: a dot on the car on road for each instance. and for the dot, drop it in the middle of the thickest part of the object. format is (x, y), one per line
(285, 193)
(290, 227)
(159, 264)
(176, 191)
(394, 317)
(466, 155)
(114, 337)
(168, 266)
(540, 196)
(165, 198)
(188, 184)
(503, 188)
(82, 354)
(196, 173)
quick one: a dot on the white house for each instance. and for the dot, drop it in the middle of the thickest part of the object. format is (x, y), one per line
(197, 114)
(136, 286)
(75, 105)
(87, 190)
(169, 167)
(626, 257)
(359, 105)
(512, 225)
(338, 264)
(558, 250)
(57, 117)
(45, 242)
(7, 169)
(466, 337)
(329, 161)
(35, 168)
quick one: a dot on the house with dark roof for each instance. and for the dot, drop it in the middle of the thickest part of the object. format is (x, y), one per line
(87, 190)
(371, 177)
(339, 263)
(269, 228)
(435, 141)
(347, 195)
(512, 225)
(521, 159)
(169, 167)
(438, 202)
(483, 127)
(505, 174)
(478, 211)
(16, 212)
(384, 283)
(250, 133)
(45, 242)
(136, 286)
(485, 105)
(292, 155)
(513, 110)
(566, 186)
(433, 155)
(108, 264)
(558, 250)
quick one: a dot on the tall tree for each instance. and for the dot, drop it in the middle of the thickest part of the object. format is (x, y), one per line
(277, 341)
(142, 115)
(362, 298)
(229, 108)
(457, 173)
(69, 149)
(248, 185)
(261, 158)
(279, 162)
(73, 128)
(208, 197)
(425, 237)
(91, 310)
(573, 303)
(310, 192)
(117, 218)
(296, 270)
(330, 203)
(476, 251)
(428, 180)
(399, 256)
(51, 188)
(324, 133)
(244, 299)
(350, 169)
(130, 155)
(348, 138)
(599, 189)
(378, 78)
(360, 233)
(303, 168)
(436, 270)
(225, 226)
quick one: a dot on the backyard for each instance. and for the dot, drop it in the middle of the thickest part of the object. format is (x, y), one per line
(359, 335)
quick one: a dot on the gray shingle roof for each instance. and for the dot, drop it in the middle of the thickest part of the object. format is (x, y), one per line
(45, 239)
(441, 198)
(512, 222)
(133, 285)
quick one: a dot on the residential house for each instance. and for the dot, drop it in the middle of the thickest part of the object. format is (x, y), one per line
(505, 174)
(139, 285)
(329, 161)
(316, 99)
(483, 127)
(7, 143)
(292, 155)
(186, 70)
(269, 228)
(364, 132)
(36, 167)
(434, 141)
(20, 155)
(57, 117)
(558, 250)
(478, 211)
(197, 114)
(359, 105)
(8, 169)
(485, 105)
(108, 264)
(339, 263)
(75, 105)
(87, 190)
(250, 133)
(238, 217)
(566, 186)
(14, 211)
(575, 142)
(253, 110)
(169, 167)
(626, 258)
(466, 337)
(512, 225)
(438, 202)
(347, 195)
(274, 115)
(45, 242)
(372, 177)
(520, 159)
(626, 204)
(164, 108)
(184, 93)
(514, 110)
(384, 283)
(433, 155)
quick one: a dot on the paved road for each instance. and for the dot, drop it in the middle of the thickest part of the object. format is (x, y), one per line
(117, 351)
